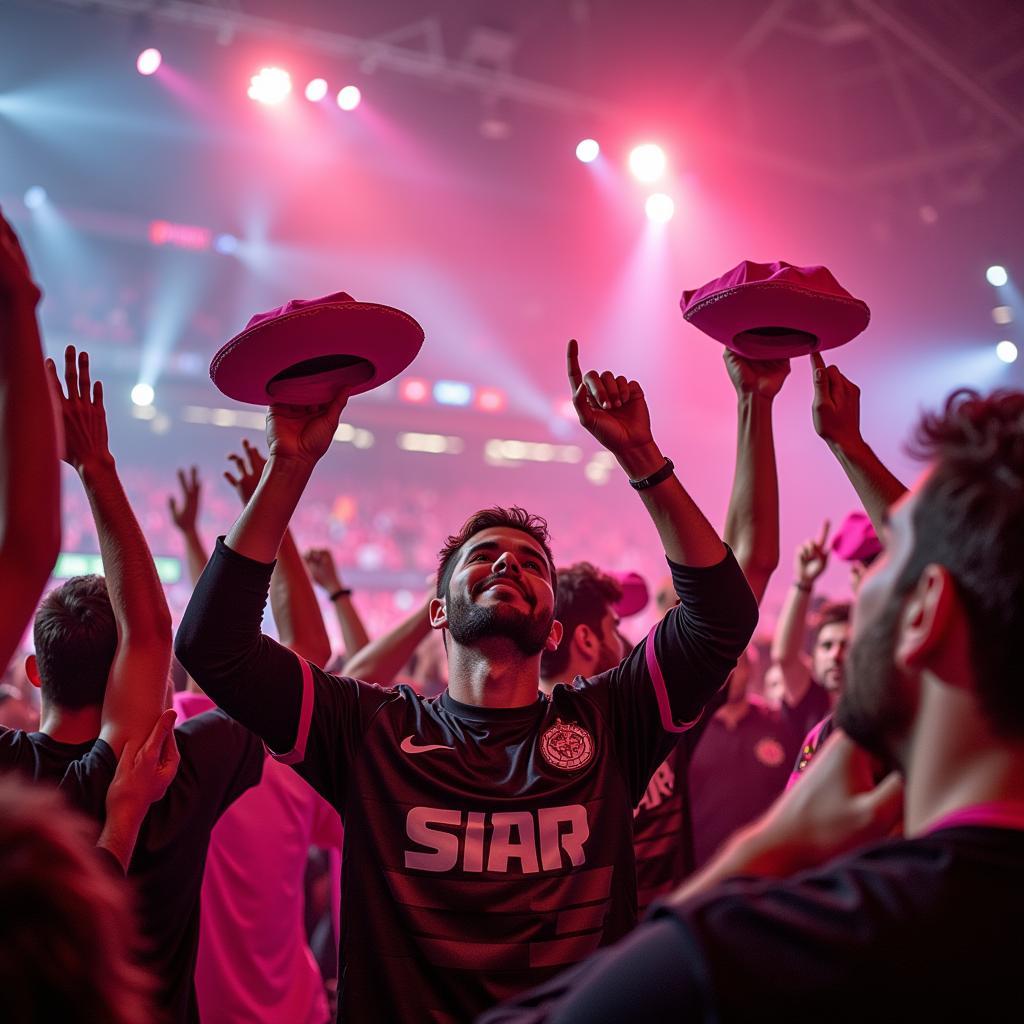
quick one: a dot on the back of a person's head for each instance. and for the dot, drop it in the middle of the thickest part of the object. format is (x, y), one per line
(583, 596)
(969, 518)
(75, 638)
(67, 936)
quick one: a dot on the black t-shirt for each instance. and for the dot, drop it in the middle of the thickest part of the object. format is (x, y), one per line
(735, 774)
(801, 718)
(916, 929)
(485, 848)
(220, 760)
(82, 771)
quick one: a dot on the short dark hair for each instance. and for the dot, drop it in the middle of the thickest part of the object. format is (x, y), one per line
(515, 518)
(969, 518)
(75, 638)
(829, 614)
(582, 597)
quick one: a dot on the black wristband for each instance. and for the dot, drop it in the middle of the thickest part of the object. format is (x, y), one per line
(655, 478)
(341, 592)
(805, 587)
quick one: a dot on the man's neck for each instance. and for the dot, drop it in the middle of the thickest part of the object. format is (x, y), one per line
(67, 726)
(954, 761)
(494, 674)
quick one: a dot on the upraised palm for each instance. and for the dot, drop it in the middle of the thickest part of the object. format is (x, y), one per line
(303, 431)
(762, 377)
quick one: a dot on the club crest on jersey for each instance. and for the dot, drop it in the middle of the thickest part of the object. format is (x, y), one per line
(567, 745)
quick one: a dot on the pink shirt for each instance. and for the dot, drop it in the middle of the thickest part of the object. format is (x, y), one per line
(254, 962)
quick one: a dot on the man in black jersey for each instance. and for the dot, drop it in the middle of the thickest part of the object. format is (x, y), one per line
(488, 830)
(787, 920)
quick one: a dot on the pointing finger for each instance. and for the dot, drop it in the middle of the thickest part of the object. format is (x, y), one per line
(572, 359)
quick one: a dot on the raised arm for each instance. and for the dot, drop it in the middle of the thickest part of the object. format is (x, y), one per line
(614, 410)
(382, 659)
(788, 643)
(185, 517)
(138, 676)
(836, 415)
(29, 470)
(752, 521)
(292, 600)
(320, 563)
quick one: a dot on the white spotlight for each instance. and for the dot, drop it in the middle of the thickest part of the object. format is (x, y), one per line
(349, 97)
(35, 197)
(588, 151)
(660, 208)
(149, 61)
(1007, 351)
(997, 276)
(647, 162)
(316, 90)
(142, 394)
(226, 245)
(271, 86)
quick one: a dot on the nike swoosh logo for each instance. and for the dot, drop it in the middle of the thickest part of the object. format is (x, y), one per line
(409, 747)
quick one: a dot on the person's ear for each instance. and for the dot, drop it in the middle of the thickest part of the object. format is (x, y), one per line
(926, 619)
(554, 636)
(438, 613)
(584, 639)
(32, 671)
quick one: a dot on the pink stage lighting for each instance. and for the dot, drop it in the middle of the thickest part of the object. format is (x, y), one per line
(413, 389)
(316, 90)
(647, 162)
(349, 97)
(490, 400)
(588, 151)
(149, 61)
(271, 86)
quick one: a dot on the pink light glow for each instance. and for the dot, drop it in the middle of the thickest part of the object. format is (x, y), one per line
(149, 61)
(413, 389)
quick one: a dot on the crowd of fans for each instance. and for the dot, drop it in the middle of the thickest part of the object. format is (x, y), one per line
(458, 805)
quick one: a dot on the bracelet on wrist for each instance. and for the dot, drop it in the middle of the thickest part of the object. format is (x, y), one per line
(655, 478)
(340, 592)
(805, 587)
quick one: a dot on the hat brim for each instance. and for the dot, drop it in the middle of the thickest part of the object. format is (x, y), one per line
(308, 356)
(778, 319)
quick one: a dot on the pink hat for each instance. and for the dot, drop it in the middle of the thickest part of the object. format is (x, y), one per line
(308, 350)
(634, 593)
(776, 310)
(856, 540)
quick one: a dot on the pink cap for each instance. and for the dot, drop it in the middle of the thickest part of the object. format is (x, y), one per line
(856, 540)
(308, 350)
(634, 593)
(776, 310)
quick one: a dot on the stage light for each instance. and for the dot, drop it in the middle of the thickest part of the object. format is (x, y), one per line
(412, 389)
(1002, 315)
(997, 276)
(316, 90)
(1007, 351)
(142, 394)
(226, 245)
(271, 86)
(490, 400)
(452, 392)
(149, 61)
(35, 197)
(588, 151)
(349, 97)
(660, 208)
(647, 162)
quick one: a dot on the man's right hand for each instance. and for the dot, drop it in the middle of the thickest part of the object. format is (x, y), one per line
(303, 432)
(320, 563)
(85, 420)
(812, 557)
(836, 407)
(185, 515)
(761, 377)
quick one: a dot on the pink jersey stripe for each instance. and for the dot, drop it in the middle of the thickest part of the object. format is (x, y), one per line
(661, 692)
(583, 919)
(298, 751)
(997, 814)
